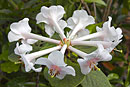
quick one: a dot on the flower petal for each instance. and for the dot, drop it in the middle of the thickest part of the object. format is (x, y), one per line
(22, 49)
(21, 26)
(40, 18)
(62, 24)
(44, 61)
(57, 11)
(84, 67)
(70, 23)
(14, 37)
(31, 41)
(69, 70)
(57, 58)
(49, 30)
(82, 32)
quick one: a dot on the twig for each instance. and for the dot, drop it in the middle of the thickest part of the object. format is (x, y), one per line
(37, 79)
(107, 10)
(95, 13)
(86, 6)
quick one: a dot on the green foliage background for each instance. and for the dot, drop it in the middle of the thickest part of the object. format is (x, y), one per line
(116, 72)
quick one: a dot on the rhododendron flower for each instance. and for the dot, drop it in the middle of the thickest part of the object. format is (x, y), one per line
(91, 60)
(21, 30)
(28, 59)
(22, 50)
(52, 17)
(78, 21)
(56, 65)
(106, 33)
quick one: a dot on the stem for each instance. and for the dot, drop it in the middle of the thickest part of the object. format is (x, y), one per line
(41, 53)
(107, 10)
(37, 79)
(14, 4)
(63, 49)
(59, 30)
(95, 12)
(86, 6)
(38, 37)
(80, 53)
(92, 43)
(94, 35)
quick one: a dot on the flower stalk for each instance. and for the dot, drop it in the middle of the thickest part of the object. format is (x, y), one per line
(80, 53)
(38, 37)
(92, 43)
(41, 53)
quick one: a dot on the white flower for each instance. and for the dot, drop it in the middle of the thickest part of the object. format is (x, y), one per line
(106, 33)
(109, 33)
(78, 21)
(56, 65)
(22, 30)
(52, 17)
(91, 60)
(17, 29)
(28, 59)
(22, 50)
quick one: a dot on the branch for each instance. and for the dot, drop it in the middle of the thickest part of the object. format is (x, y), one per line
(86, 6)
(37, 79)
(107, 10)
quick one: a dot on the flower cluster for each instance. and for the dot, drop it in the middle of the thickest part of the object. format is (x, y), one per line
(105, 39)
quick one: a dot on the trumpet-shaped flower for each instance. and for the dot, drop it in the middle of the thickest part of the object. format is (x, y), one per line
(52, 17)
(17, 29)
(22, 50)
(91, 60)
(56, 65)
(110, 33)
(106, 33)
(22, 30)
(78, 21)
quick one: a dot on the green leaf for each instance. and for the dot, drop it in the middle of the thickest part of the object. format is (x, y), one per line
(113, 76)
(86, 49)
(68, 81)
(9, 67)
(96, 1)
(92, 27)
(96, 79)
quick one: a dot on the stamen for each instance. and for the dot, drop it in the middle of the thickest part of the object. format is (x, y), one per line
(95, 67)
(121, 51)
(17, 62)
(54, 71)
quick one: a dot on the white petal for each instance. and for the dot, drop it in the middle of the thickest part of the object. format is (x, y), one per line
(45, 11)
(82, 32)
(69, 70)
(62, 24)
(31, 41)
(49, 30)
(21, 26)
(29, 65)
(57, 11)
(13, 37)
(103, 54)
(61, 75)
(80, 14)
(70, 23)
(98, 29)
(44, 61)
(40, 18)
(89, 20)
(22, 49)
(57, 58)
(84, 68)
